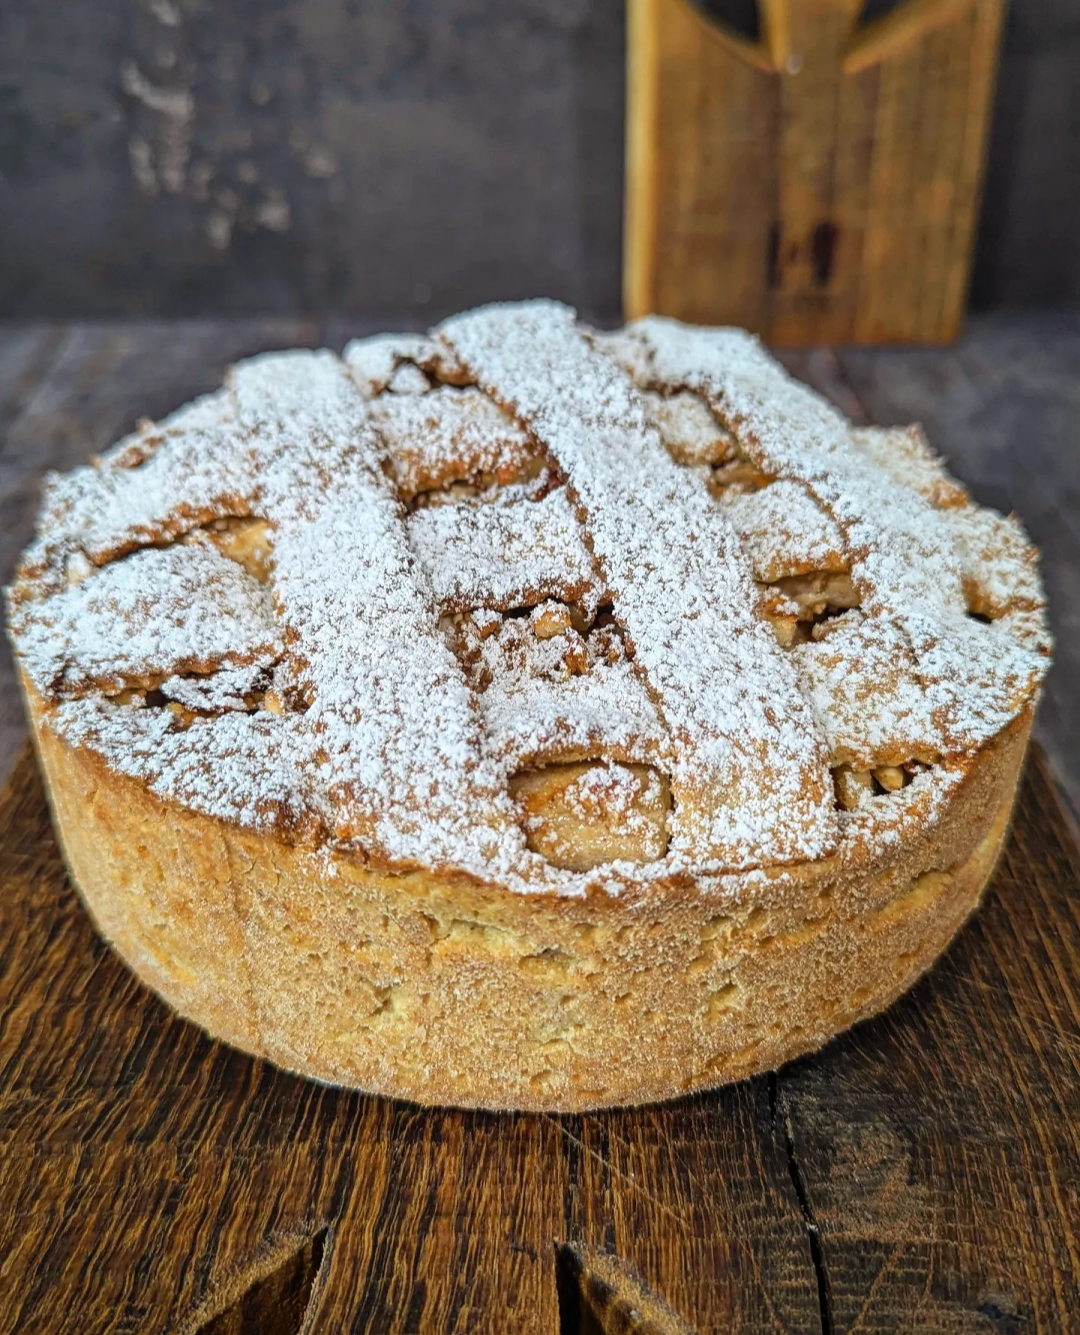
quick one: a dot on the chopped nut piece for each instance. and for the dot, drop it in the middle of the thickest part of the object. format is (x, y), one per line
(76, 568)
(486, 621)
(891, 777)
(786, 630)
(853, 786)
(819, 592)
(576, 656)
(248, 542)
(550, 619)
(130, 695)
(739, 473)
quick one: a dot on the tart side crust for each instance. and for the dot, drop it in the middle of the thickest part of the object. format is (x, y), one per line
(445, 991)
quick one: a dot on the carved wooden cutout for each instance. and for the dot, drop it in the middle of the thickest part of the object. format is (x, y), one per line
(819, 184)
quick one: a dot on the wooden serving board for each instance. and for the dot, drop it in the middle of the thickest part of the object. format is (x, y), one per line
(922, 1173)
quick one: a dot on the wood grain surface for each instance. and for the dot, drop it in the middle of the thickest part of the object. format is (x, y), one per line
(920, 1174)
(817, 185)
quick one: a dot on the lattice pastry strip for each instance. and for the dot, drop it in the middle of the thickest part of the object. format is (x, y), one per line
(252, 768)
(976, 677)
(690, 432)
(123, 503)
(559, 697)
(749, 777)
(505, 556)
(863, 684)
(208, 412)
(894, 537)
(449, 435)
(375, 363)
(785, 532)
(156, 613)
(905, 454)
(396, 726)
(998, 564)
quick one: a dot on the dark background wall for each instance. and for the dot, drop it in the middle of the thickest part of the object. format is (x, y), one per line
(396, 156)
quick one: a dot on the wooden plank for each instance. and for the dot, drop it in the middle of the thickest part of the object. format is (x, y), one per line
(820, 185)
(688, 190)
(149, 1177)
(697, 1197)
(939, 1145)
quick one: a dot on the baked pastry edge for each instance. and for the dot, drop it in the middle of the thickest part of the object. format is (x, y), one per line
(443, 991)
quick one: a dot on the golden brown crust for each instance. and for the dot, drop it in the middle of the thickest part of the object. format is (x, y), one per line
(413, 718)
(441, 990)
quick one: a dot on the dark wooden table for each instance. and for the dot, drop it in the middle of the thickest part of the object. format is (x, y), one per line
(922, 1173)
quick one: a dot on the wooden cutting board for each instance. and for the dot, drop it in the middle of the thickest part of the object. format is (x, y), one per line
(817, 184)
(920, 1174)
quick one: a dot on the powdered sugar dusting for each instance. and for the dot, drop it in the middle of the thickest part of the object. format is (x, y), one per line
(373, 361)
(249, 768)
(784, 530)
(750, 775)
(446, 435)
(181, 609)
(397, 732)
(227, 688)
(901, 547)
(505, 555)
(690, 432)
(380, 690)
(905, 454)
(562, 698)
(865, 689)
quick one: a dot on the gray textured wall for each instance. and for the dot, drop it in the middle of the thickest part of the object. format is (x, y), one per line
(395, 156)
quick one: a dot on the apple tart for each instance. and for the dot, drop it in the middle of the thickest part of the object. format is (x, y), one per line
(525, 716)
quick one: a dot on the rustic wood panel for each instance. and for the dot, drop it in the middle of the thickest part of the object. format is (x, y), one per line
(298, 155)
(820, 185)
